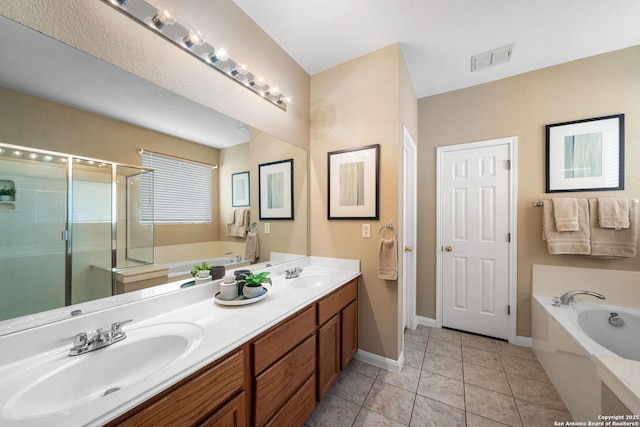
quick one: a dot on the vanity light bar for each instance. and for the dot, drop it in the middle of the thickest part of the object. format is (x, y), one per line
(162, 21)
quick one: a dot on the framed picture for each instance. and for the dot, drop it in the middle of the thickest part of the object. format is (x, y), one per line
(354, 183)
(276, 189)
(240, 189)
(586, 155)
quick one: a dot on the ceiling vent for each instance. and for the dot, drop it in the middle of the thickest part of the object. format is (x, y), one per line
(494, 57)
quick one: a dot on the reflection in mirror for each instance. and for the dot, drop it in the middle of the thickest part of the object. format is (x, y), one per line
(106, 113)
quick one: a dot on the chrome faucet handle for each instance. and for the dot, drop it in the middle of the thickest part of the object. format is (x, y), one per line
(101, 336)
(80, 340)
(116, 328)
(556, 301)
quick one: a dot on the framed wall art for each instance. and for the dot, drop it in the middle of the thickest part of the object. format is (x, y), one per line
(240, 189)
(353, 186)
(276, 189)
(585, 155)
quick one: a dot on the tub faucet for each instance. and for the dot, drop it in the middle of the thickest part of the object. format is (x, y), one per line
(238, 257)
(567, 298)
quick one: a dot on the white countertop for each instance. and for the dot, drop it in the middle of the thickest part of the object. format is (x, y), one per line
(224, 328)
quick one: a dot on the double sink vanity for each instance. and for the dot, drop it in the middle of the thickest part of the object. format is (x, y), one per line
(187, 360)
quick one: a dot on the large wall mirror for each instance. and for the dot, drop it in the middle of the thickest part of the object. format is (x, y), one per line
(56, 98)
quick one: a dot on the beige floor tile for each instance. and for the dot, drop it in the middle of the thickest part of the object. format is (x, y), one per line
(535, 415)
(531, 369)
(476, 341)
(363, 368)
(493, 405)
(507, 349)
(444, 348)
(367, 418)
(538, 392)
(430, 413)
(484, 358)
(416, 341)
(444, 366)
(413, 357)
(421, 330)
(390, 401)
(407, 379)
(443, 389)
(445, 335)
(352, 386)
(491, 379)
(333, 411)
(474, 420)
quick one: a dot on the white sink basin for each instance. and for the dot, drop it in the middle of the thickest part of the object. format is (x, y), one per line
(310, 280)
(60, 383)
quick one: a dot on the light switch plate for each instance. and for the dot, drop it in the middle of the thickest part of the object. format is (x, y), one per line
(366, 231)
(267, 228)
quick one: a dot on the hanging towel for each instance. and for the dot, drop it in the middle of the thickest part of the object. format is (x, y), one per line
(611, 243)
(565, 212)
(613, 212)
(566, 242)
(388, 259)
(238, 227)
(252, 247)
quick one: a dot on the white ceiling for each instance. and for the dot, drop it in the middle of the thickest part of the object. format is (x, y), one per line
(438, 37)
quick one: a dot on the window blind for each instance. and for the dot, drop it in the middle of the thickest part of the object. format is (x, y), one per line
(181, 190)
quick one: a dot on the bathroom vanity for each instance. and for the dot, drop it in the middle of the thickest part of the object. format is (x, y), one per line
(262, 364)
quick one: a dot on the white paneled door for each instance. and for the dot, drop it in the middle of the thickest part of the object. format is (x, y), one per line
(475, 239)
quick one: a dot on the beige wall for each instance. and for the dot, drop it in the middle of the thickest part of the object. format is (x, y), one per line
(521, 106)
(288, 236)
(34, 122)
(352, 105)
(232, 160)
(98, 29)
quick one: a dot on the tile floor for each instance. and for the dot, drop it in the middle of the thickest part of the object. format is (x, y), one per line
(449, 378)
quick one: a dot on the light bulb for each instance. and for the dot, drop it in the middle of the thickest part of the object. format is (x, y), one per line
(259, 82)
(17, 153)
(33, 156)
(240, 69)
(219, 54)
(195, 38)
(164, 17)
(47, 158)
(275, 90)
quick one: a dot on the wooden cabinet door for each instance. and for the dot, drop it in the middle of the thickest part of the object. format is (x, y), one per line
(328, 337)
(233, 414)
(349, 326)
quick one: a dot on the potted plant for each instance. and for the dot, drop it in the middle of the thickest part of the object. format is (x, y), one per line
(202, 270)
(253, 284)
(7, 193)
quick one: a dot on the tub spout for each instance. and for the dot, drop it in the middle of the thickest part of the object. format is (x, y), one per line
(567, 298)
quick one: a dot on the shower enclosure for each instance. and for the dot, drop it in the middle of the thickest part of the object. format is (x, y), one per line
(70, 224)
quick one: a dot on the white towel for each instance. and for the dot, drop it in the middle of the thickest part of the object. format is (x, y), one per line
(613, 212)
(238, 227)
(252, 247)
(565, 212)
(611, 243)
(388, 259)
(566, 242)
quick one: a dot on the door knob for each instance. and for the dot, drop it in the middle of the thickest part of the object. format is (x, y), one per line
(408, 249)
(448, 248)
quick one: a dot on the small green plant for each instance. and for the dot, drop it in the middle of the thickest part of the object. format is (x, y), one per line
(196, 268)
(7, 191)
(254, 280)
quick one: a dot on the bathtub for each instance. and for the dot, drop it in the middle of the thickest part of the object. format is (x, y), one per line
(567, 339)
(183, 268)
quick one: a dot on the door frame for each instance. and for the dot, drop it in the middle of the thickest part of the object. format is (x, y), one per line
(512, 143)
(409, 228)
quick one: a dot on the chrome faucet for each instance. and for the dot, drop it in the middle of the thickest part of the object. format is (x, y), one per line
(83, 344)
(238, 257)
(292, 273)
(567, 298)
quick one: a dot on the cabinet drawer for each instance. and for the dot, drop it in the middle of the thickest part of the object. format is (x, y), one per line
(277, 384)
(300, 407)
(277, 342)
(335, 302)
(187, 404)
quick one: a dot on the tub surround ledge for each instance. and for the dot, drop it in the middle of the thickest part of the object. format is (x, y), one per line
(622, 376)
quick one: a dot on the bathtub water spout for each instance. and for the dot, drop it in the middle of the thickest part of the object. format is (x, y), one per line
(567, 298)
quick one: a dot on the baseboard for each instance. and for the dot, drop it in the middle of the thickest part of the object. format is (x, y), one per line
(524, 341)
(426, 321)
(379, 361)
